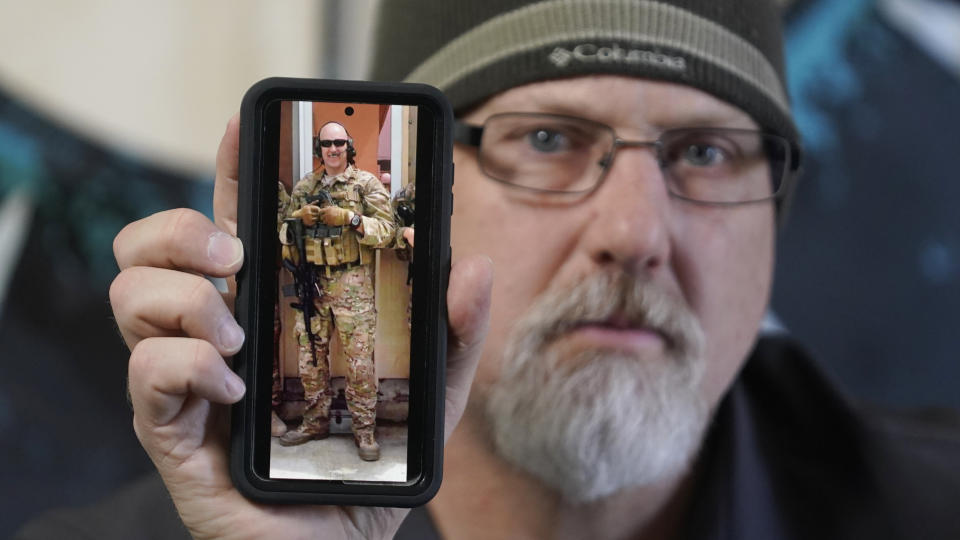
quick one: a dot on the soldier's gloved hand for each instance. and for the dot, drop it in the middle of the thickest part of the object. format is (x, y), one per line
(334, 216)
(180, 329)
(309, 213)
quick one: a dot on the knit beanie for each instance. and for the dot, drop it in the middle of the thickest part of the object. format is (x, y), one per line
(472, 49)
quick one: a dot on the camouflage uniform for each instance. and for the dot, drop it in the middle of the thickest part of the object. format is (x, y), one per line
(346, 300)
(404, 198)
(283, 201)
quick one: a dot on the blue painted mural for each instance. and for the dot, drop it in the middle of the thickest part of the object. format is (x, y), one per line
(869, 265)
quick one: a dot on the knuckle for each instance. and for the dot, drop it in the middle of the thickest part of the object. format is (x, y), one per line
(184, 226)
(118, 242)
(204, 363)
(203, 297)
(141, 363)
(136, 428)
(121, 289)
(181, 222)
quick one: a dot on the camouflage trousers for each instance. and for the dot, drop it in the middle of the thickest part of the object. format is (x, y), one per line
(346, 304)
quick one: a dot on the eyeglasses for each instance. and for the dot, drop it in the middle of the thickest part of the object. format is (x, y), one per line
(556, 154)
(336, 142)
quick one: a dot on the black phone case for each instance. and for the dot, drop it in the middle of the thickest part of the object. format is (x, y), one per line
(256, 227)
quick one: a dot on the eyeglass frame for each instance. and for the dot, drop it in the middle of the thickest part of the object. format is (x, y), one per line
(472, 135)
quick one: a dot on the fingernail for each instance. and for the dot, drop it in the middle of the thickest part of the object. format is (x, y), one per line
(234, 385)
(224, 249)
(230, 334)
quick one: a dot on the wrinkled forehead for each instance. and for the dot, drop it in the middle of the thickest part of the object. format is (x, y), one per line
(623, 102)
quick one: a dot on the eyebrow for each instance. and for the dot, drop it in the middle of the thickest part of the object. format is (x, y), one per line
(717, 117)
(564, 107)
(701, 119)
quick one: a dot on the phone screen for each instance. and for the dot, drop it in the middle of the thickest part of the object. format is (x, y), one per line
(340, 385)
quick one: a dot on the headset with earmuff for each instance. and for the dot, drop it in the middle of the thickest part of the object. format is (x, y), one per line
(351, 151)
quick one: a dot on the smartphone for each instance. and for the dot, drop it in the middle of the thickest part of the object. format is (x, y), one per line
(344, 213)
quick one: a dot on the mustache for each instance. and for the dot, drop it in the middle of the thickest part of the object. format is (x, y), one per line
(621, 300)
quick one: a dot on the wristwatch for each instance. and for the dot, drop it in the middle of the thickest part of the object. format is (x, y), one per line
(355, 222)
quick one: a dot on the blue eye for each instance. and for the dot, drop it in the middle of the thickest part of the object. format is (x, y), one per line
(548, 141)
(703, 155)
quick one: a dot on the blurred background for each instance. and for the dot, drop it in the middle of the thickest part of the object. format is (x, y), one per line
(111, 110)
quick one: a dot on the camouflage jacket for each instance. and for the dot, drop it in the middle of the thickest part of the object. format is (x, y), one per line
(404, 196)
(283, 201)
(376, 212)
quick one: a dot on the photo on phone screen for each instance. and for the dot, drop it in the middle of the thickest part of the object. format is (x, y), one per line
(342, 303)
(345, 216)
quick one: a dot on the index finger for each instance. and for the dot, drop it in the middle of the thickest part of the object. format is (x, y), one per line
(181, 239)
(228, 170)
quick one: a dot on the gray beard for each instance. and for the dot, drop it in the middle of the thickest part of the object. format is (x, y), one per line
(599, 421)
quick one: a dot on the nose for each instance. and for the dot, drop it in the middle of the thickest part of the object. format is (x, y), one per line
(629, 225)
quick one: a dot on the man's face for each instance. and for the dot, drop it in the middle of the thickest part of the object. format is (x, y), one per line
(715, 261)
(334, 157)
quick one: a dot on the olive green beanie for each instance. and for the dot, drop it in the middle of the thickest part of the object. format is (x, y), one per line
(472, 49)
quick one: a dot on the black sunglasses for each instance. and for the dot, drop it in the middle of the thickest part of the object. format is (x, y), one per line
(337, 142)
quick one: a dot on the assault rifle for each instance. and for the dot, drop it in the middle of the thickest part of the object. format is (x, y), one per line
(406, 214)
(304, 281)
(304, 274)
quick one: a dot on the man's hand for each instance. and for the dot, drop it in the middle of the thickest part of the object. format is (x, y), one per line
(179, 329)
(334, 216)
(308, 213)
(408, 235)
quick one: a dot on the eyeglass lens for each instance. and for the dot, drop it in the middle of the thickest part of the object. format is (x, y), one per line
(337, 142)
(554, 153)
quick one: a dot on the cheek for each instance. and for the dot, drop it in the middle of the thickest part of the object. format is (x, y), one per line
(727, 263)
(526, 255)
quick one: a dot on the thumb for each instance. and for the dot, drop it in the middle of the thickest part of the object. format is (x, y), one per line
(468, 308)
(228, 170)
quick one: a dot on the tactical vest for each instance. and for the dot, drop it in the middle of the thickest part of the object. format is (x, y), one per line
(335, 246)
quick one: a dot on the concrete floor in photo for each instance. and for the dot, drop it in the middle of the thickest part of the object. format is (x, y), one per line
(335, 458)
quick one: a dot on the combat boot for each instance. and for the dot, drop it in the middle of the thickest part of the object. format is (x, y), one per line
(277, 426)
(303, 434)
(367, 446)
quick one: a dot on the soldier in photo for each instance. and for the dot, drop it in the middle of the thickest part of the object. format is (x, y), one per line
(336, 218)
(277, 426)
(404, 210)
